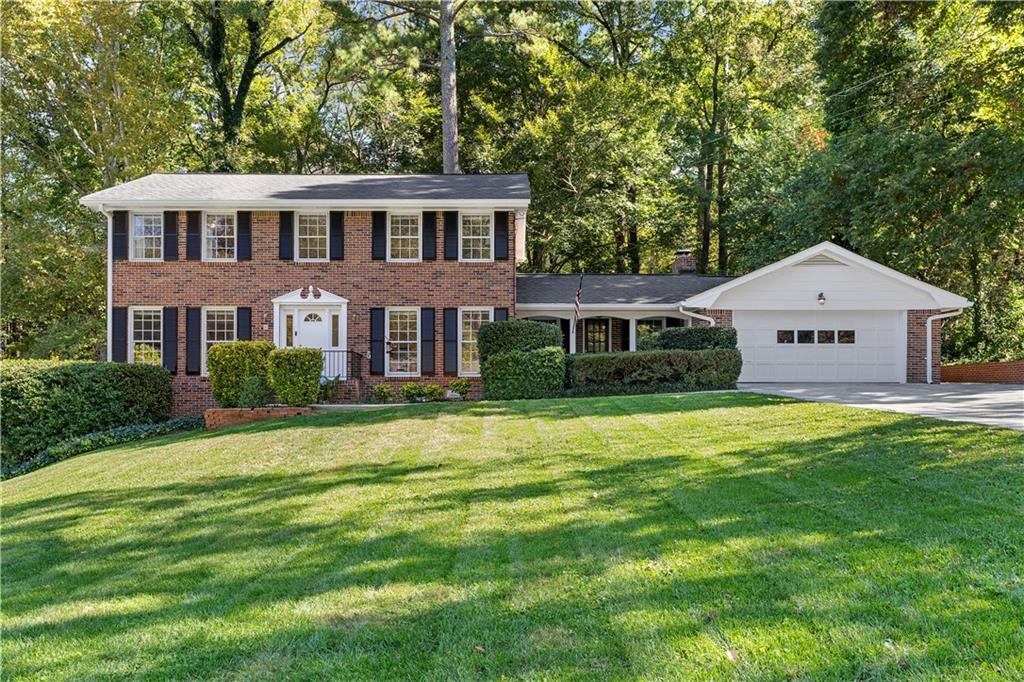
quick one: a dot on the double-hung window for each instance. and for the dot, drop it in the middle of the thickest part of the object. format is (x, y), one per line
(470, 320)
(476, 236)
(218, 327)
(147, 241)
(146, 336)
(311, 237)
(219, 237)
(404, 243)
(403, 341)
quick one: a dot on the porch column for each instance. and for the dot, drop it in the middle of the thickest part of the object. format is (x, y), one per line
(632, 335)
(572, 336)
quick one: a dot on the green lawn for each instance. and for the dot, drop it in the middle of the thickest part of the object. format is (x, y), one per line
(716, 536)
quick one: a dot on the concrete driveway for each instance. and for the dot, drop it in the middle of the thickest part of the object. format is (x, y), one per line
(991, 404)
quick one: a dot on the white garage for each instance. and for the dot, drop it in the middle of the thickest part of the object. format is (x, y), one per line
(816, 345)
(826, 314)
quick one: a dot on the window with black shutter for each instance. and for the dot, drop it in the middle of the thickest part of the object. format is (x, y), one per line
(426, 341)
(451, 341)
(377, 341)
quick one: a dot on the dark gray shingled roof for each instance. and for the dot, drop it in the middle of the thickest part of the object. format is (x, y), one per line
(613, 289)
(242, 188)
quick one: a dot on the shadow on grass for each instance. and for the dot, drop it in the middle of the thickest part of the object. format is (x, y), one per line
(882, 534)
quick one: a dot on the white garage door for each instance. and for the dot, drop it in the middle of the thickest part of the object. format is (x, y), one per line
(817, 345)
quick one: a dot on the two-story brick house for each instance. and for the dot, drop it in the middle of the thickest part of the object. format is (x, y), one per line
(391, 276)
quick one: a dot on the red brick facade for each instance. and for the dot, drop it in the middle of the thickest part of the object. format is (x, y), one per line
(985, 373)
(365, 282)
(722, 318)
(917, 346)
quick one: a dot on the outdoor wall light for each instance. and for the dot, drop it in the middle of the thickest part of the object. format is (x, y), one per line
(821, 298)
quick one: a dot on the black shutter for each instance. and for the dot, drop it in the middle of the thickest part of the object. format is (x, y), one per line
(169, 349)
(426, 340)
(376, 340)
(193, 235)
(243, 320)
(564, 324)
(379, 235)
(170, 235)
(119, 247)
(193, 340)
(337, 235)
(244, 250)
(119, 334)
(451, 341)
(500, 314)
(501, 235)
(451, 235)
(286, 235)
(430, 235)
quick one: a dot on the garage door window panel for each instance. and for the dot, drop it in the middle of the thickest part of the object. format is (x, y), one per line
(805, 336)
(785, 336)
(847, 336)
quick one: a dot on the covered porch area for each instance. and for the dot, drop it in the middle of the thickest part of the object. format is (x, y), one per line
(606, 330)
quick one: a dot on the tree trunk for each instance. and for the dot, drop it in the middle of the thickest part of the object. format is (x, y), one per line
(722, 205)
(705, 177)
(449, 101)
(620, 241)
(633, 233)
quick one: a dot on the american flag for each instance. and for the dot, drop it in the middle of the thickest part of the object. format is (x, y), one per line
(579, 298)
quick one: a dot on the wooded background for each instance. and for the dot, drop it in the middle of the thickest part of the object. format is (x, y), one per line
(745, 131)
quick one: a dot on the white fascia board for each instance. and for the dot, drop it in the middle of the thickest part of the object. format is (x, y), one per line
(943, 298)
(625, 307)
(275, 204)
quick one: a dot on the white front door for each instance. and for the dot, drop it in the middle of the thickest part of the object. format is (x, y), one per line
(312, 328)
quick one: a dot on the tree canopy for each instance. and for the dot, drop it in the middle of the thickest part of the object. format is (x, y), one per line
(742, 130)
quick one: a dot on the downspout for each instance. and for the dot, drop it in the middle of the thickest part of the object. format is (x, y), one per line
(709, 320)
(110, 276)
(928, 340)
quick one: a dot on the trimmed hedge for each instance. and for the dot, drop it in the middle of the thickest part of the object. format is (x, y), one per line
(522, 335)
(519, 374)
(294, 374)
(655, 371)
(232, 365)
(102, 439)
(690, 338)
(47, 401)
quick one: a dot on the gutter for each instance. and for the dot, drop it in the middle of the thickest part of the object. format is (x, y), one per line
(709, 320)
(928, 339)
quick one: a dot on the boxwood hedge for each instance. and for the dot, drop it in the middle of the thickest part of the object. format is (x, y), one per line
(690, 338)
(519, 374)
(655, 371)
(232, 365)
(295, 374)
(521, 335)
(48, 401)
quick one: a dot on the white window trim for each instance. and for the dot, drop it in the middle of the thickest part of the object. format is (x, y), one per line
(131, 237)
(202, 344)
(387, 353)
(419, 251)
(206, 258)
(463, 373)
(490, 218)
(327, 224)
(131, 330)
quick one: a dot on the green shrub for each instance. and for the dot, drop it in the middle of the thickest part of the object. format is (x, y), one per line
(655, 371)
(295, 374)
(256, 392)
(690, 338)
(411, 392)
(102, 439)
(382, 393)
(45, 401)
(433, 393)
(231, 365)
(518, 374)
(329, 388)
(523, 335)
(462, 386)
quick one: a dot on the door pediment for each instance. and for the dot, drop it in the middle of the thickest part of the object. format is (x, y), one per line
(309, 296)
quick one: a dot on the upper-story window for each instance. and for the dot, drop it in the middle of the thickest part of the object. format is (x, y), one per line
(311, 237)
(219, 236)
(147, 236)
(476, 237)
(404, 243)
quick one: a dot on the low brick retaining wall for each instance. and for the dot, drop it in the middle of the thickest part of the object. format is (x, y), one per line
(985, 373)
(219, 417)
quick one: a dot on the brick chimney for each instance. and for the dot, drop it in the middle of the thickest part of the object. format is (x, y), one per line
(684, 262)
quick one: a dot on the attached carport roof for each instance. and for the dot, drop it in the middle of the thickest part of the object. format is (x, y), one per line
(666, 290)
